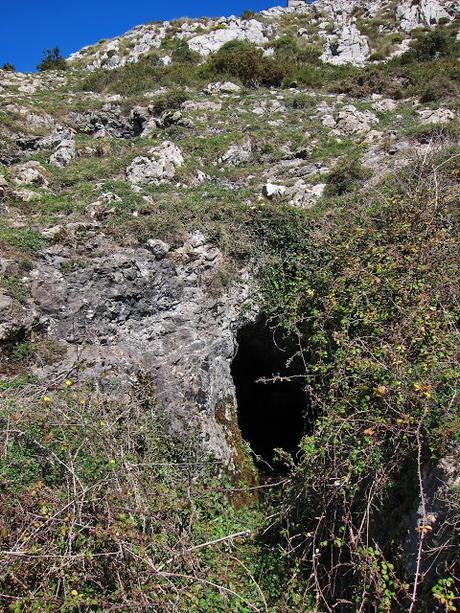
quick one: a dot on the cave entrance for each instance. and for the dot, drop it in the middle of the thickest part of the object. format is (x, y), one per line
(272, 414)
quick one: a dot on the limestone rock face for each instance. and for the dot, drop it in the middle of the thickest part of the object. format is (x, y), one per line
(107, 121)
(349, 46)
(411, 15)
(159, 167)
(15, 319)
(150, 310)
(250, 30)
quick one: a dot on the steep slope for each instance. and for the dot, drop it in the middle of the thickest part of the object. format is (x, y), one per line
(280, 187)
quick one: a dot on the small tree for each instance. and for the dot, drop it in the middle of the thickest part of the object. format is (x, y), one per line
(8, 67)
(52, 60)
(244, 61)
(247, 14)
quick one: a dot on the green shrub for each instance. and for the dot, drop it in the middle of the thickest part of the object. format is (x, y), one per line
(373, 298)
(288, 49)
(145, 75)
(431, 46)
(345, 176)
(247, 14)
(182, 54)
(14, 286)
(24, 239)
(171, 100)
(52, 60)
(302, 101)
(246, 62)
(8, 67)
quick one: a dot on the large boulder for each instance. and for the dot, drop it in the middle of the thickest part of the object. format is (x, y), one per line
(158, 167)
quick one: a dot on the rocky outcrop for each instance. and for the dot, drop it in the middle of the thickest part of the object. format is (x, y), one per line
(226, 87)
(437, 115)
(237, 154)
(150, 309)
(158, 167)
(109, 121)
(30, 173)
(348, 121)
(411, 14)
(250, 30)
(348, 46)
(16, 320)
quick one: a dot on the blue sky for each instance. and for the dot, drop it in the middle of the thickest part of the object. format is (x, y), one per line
(29, 26)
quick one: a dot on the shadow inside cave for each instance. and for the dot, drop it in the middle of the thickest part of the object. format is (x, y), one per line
(271, 414)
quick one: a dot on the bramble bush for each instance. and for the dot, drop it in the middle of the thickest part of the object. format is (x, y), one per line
(100, 508)
(374, 302)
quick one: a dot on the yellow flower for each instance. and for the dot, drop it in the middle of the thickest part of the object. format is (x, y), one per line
(46, 399)
(102, 423)
(68, 382)
(74, 593)
(112, 461)
(381, 390)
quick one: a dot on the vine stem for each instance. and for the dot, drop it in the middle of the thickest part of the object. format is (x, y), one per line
(422, 527)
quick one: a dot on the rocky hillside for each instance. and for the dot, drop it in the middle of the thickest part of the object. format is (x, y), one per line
(356, 32)
(279, 189)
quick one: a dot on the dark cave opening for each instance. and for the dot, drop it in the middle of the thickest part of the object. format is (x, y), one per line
(272, 414)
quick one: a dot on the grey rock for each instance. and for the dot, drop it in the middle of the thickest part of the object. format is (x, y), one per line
(107, 121)
(150, 310)
(412, 14)
(237, 154)
(25, 195)
(349, 46)
(29, 173)
(159, 167)
(348, 121)
(437, 115)
(273, 191)
(226, 87)
(64, 154)
(16, 320)
(250, 30)
(158, 247)
(304, 195)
